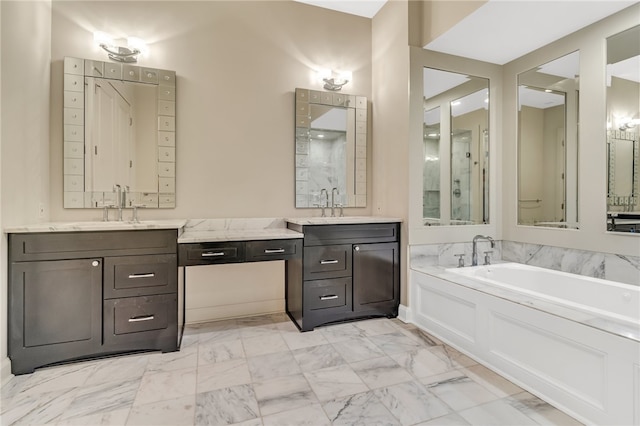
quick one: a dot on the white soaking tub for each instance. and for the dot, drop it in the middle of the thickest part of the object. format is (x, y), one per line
(572, 340)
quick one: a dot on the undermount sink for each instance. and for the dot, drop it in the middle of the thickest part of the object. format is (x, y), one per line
(318, 220)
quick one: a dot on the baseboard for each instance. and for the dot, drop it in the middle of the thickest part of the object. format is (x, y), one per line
(404, 314)
(5, 370)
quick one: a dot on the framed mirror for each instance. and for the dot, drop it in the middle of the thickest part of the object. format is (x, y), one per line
(331, 149)
(548, 144)
(119, 130)
(623, 128)
(456, 128)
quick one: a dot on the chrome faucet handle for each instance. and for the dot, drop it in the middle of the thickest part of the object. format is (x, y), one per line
(134, 215)
(321, 208)
(487, 257)
(460, 260)
(341, 207)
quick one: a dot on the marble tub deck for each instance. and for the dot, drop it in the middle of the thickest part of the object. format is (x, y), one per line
(262, 371)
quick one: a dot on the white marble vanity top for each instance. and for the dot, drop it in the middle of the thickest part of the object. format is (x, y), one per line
(341, 220)
(240, 229)
(96, 226)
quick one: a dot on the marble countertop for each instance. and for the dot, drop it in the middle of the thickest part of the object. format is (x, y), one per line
(341, 220)
(574, 314)
(96, 226)
(202, 236)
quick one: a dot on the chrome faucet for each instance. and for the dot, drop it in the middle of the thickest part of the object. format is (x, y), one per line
(118, 190)
(326, 200)
(334, 192)
(474, 253)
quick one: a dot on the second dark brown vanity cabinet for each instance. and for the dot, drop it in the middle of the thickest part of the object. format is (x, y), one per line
(76, 295)
(347, 272)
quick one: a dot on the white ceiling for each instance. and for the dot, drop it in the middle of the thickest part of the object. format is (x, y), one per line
(501, 30)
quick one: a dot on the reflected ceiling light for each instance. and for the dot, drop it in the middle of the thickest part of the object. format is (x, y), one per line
(334, 82)
(129, 54)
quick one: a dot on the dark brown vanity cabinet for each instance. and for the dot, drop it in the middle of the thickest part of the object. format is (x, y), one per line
(75, 295)
(346, 272)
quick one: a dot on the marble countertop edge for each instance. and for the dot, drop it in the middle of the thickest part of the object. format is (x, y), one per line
(238, 235)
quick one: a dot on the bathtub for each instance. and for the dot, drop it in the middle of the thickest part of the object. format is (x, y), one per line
(573, 341)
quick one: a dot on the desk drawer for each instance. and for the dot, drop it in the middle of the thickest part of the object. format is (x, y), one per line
(327, 261)
(258, 251)
(325, 294)
(140, 275)
(211, 253)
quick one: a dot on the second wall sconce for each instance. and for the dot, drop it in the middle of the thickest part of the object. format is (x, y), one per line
(334, 82)
(129, 54)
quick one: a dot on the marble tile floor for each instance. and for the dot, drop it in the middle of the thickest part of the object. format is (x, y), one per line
(262, 371)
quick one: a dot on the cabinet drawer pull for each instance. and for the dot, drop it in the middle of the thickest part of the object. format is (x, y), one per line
(210, 254)
(329, 297)
(149, 275)
(328, 262)
(271, 251)
(142, 318)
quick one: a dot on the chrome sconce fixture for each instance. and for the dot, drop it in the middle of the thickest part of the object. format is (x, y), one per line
(129, 54)
(334, 82)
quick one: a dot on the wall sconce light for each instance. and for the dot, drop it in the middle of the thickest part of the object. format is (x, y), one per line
(628, 123)
(129, 54)
(334, 82)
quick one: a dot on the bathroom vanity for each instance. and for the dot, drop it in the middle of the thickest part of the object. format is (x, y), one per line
(86, 290)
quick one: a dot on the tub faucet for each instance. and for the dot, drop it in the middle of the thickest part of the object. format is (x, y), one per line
(474, 253)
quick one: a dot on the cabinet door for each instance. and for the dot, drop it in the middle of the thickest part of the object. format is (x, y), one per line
(376, 278)
(55, 311)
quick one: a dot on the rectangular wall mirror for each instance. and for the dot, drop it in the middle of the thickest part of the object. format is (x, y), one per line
(623, 127)
(119, 129)
(548, 144)
(456, 149)
(331, 149)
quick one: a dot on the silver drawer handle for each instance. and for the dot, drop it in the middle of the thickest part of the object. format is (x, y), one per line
(218, 253)
(151, 275)
(328, 262)
(270, 251)
(331, 297)
(144, 318)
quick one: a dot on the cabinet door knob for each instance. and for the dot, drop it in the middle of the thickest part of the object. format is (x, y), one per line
(95, 263)
(357, 248)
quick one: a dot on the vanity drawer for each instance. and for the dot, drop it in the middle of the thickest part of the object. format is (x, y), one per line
(140, 275)
(257, 251)
(356, 233)
(138, 318)
(327, 261)
(325, 294)
(210, 253)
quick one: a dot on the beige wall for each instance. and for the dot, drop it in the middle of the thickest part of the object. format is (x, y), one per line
(390, 69)
(440, 15)
(24, 152)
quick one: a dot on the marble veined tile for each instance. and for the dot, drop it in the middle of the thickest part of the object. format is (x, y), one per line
(411, 403)
(57, 378)
(266, 344)
(211, 352)
(103, 397)
(360, 409)
(163, 385)
(395, 342)
(173, 412)
(223, 375)
(283, 393)
(453, 357)
(109, 418)
(358, 349)
(422, 362)
(421, 336)
(226, 406)
(341, 332)
(186, 357)
(379, 372)
(374, 327)
(495, 383)
(335, 382)
(310, 415)
(317, 357)
(497, 412)
(118, 369)
(296, 340)
(40, 408)
(452, 419)
(461, 393)
(540, 411)
(272, 365)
